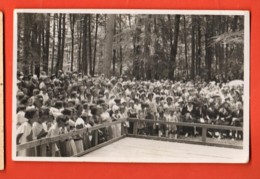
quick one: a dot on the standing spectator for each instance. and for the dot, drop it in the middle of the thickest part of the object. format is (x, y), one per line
(24, 132)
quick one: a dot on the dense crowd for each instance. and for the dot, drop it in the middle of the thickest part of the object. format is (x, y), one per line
(49, 106)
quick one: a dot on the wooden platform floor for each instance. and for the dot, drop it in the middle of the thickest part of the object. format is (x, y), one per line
(144, 150)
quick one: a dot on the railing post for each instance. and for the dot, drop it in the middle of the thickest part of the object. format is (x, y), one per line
(204, 134)
(122, 128)
(135, 128)
(96, 137)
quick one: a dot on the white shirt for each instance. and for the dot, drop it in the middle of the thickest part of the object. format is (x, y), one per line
(20, 118)
(36, 129)
(45, 97)
(80, 121)
(26, 130)
(105, 116)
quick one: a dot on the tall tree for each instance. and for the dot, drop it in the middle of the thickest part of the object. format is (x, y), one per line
(198, 55)
(208, 49)
(192, 47)
(95, 45)
(147, 43)
(114, 50)
(53, 43)
(26, 42)
(120, 47)
(186, 46)
(46, 45)
(90, 46)
(63, 40)
(109, 44)
(72, 24)
(59, 46)
(80, 46)
(84, 46)
(174, 46)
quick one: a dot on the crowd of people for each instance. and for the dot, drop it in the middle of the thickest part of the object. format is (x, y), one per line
(49, 106)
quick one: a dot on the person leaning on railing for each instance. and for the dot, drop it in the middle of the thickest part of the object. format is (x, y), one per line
(39, 131)
(149, 116)
(55, 131)
(225, 118)
(160, 126)
(190, 113)
(79, 124)
(237, 120)
(24, 132)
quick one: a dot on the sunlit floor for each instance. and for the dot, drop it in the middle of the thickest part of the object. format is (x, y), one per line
(144, 150)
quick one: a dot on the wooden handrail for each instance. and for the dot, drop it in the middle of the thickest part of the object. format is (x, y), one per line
(204, 127)
(68, 135)
(189, 124)
(49, 140)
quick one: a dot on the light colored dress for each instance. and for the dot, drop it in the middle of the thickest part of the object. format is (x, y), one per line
(54, 131)
(117, 127)
(78, 140)
(36, 130)
(25, 129)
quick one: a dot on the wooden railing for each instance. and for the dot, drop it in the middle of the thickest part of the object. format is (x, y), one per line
(204, 128)
(69, 135)
(94, 129)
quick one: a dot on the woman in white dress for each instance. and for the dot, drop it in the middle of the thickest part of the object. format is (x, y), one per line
(116, 116)
(24, 132)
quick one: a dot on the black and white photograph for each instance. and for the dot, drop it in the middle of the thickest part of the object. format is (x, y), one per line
(153, 86)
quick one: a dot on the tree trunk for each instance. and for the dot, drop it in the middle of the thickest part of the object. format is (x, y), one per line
(80, 48)
(120, 48)
(137, 50)
(46, 47)
(198, 46)
(147, 43)
(59, 46)
(38, 48)
(84, 47)
(89, 46)
(72, 23)
(109, 44)
(192, 48)
(114, 62)
(114, 53)
(63, 41)
(234, 23)
(175, 44)
(208, 48)
(26, 43)
(95, 46)
(53, 43)
(186, 47)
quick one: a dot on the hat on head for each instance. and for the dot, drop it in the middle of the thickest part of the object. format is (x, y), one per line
(20, 94)
(115, 108)
(67, 111)
(35, 77)
(169, 97)
(180, 100)
(117, 99)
